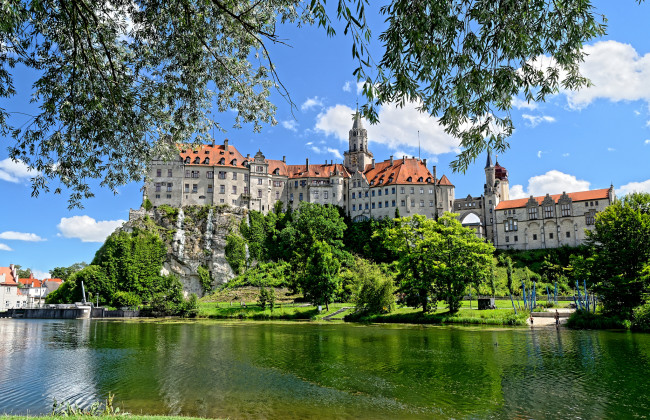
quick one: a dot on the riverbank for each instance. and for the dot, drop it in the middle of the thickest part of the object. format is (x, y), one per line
(122, 416)
(442, 316)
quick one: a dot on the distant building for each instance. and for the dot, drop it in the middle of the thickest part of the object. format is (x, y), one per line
(221, 175)
(32, 288)
(10, 295)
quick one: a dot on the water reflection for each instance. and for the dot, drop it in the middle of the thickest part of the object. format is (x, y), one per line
(299, 370)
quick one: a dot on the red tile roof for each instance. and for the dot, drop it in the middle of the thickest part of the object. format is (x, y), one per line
(30, 282)
(281, 167)
(316, 170)
(399, 172)
(445, 181)
(9, 277)
(575, 196)
(53, 280)
(214, 153)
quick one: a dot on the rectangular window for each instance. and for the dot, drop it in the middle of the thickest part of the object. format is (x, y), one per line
(378, 193)
(366, 193)
(566, 210)
(590, 219)
(158, 173)
(221, 200)
(516, 238)
(296, 184)
(532, 213)
(169, 186)
(373, 205)
(245, 177)
(548, 211)
(169, 173)
(326, 195)
(157, 195)
(421, 203)
(209, 188)
(259, 193)
(245, 190)
(260, 181)
(401, 190)
(291, 197)
(392, 190)
(386, 191)
(300, 197)
(187, 174)
(354, 207)
(209, 174)
(234, 189)
(430, 190)
(366, 206)
(380, 204)
(421, 190)
(316, 195)
(402, 203)
(195, 174)
(412, 203)
(277, 183)
(169, 196)
(222, 174)
(234, 175)
(534, 236)
(507, 238)
(187, 188)
(259, 169)
(157, 187)
(412, 190)
(234, 202)
(353, 196)
(222, 189)
(373, 193)
(568, 234)
(392, 203)
(195, 188)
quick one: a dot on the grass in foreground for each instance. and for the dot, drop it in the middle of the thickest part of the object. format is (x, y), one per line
(223, 310)
(122, 416)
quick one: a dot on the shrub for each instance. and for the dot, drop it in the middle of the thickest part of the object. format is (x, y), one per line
(236, 252)
(126, 299)
(583, 320)
(147, 204)
(641, 317)
(266, 297)
(205, 277)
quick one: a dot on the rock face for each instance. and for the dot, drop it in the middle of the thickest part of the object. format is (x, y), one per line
(195, 236)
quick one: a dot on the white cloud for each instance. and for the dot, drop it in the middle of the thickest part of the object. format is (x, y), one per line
(611, 149)
(617, 71)
(87, 229)
(522, 104)
(4, 247)
(21, 236)
(566, 154)
(15, 171)
(552, 182)
(290, 125)
(312, 103)
(360, 87)
(647, 141)
(637, 113)
(398, 128)
(539, 154)
(41, 275)
(643, 186)
(535, 120)
(327, 150)
(347, 87)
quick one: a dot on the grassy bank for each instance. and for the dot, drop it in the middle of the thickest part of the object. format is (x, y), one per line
(224, 310)
(442, 316)
(581, 320)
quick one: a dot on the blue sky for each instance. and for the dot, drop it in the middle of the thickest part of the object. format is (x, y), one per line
(575, 141)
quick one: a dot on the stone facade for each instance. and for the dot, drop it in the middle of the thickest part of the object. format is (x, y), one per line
(221, 175)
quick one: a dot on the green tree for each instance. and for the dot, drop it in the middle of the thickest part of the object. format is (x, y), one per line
(438, 259)
(620, 244)
(376, 291)
(64, 273)
(235, 252)
(320, 279)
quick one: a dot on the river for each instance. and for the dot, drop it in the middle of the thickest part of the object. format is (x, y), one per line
(291, 370)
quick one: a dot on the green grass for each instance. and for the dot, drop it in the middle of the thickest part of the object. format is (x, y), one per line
(127, 416)
(582, 320)
(442, 316)
(222, 310)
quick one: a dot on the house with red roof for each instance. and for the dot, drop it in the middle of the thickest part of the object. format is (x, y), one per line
(10, 294)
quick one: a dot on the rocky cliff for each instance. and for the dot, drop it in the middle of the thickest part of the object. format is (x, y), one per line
(195, 236)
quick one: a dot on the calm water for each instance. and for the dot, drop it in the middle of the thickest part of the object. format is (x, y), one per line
(305, 370)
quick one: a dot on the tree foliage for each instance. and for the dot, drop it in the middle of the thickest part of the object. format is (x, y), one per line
(437, 259)
(621, 252)
(320, 280)
(64, 273)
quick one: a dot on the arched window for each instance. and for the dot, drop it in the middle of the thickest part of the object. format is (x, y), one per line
(429, 179)
(234, 162)
(187, 159)
(354, 147)
(197, 160)
(409, 179)
(206, 161)
(222, 161)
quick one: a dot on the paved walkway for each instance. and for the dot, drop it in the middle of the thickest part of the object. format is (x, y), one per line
(329, 317)
(547, 318)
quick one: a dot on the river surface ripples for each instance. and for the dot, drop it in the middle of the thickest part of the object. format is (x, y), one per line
(307, 370)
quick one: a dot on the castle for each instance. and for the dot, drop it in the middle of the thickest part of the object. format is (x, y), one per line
(220, 174)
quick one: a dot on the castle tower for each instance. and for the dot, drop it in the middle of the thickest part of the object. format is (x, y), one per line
(503, 185)
(357, 156)
(490, 199)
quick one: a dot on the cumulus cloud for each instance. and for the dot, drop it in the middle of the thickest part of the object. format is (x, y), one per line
(539, 154)
(4, 247)
(327, 150)
(552, 182)
(15, 171)
(522, 104)
(347, 87)
(86, 228)
(290, 125)
(611, 149)
(311, 103)
(535, 120)
(398, 128)
(617, 71)
(41, 275)
(643, 186)
(647, 141)
(20, 236)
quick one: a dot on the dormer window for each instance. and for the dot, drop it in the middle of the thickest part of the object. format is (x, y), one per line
(197, 160)
(277, 171)
(206, 161)
(222, 161)
(234, 162)
(246, 163)
(187, 159)
(420, 179)
(221, 152)
(428, 180)
(196, 152)
(409, 179)
(207, 152)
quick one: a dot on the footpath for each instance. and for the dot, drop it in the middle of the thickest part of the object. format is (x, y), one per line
(547, 318)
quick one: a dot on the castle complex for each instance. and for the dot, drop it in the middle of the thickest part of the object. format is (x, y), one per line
(220, 174)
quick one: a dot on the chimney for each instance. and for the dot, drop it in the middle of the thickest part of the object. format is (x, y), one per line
(213, 142)
(425, 162)
(248, 155)
(325, 162)
(307, 164)
(225, 145)
(435, 174)
(391, 160)
(373, 164)
(284, 159)
(403, 159)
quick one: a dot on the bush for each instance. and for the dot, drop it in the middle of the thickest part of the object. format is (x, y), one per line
(147, 204)
(205, 278)
(641, 318)
(376, 296)
(583, 320)
(266, 297)
(236, 252)
(126, 299)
